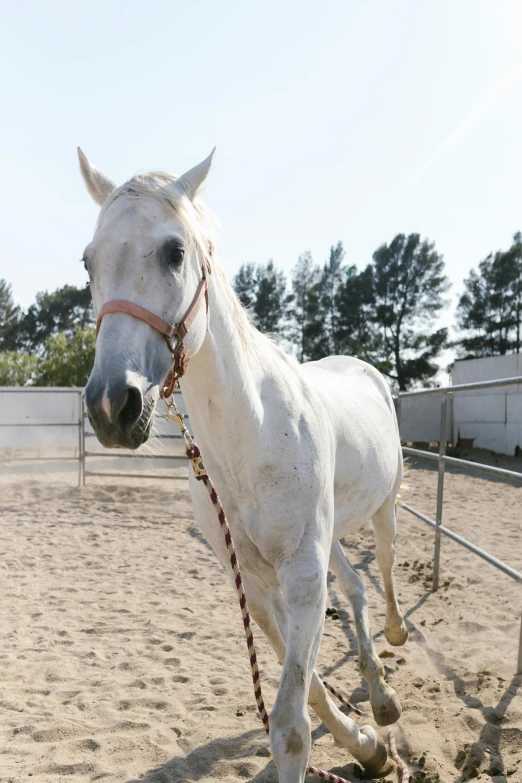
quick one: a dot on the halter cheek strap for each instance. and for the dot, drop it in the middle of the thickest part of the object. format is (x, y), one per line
(166, 329)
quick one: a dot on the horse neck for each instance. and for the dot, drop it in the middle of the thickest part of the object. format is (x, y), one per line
(223, 379)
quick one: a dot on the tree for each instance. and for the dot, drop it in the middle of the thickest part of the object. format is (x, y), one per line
(262, 289)
(61, 311)
(357, 333)
(409, 283)
(66, 360)
(245, 284)
(271, 303)
(331, 281)
(305, 312)
(490, 309)
(16, 368)
(9, 318)
(315, 313)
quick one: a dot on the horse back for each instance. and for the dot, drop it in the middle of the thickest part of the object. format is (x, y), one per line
(358, 404)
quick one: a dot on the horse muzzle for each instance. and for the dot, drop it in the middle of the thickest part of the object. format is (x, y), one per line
(118, 413)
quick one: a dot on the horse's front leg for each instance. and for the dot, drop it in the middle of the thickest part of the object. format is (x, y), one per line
(267, 609)
(303, 580)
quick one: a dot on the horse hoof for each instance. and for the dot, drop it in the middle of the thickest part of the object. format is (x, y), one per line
(377, 765)
(388, 712)
(396, 636)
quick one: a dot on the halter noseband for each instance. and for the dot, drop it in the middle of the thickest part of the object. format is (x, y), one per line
(166, 329)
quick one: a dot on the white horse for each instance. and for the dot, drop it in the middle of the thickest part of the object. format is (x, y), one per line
(301, 455)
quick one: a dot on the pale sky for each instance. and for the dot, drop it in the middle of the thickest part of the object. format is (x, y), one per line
(346, 120)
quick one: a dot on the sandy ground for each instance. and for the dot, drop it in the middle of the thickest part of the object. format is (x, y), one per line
(122, 655)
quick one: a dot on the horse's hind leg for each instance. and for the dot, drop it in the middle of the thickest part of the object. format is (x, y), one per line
(385, 704)
(267, 609)
(384, 525)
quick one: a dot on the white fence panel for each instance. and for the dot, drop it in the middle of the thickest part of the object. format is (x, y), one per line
(491, 417)
(57, 410)
(420, 419)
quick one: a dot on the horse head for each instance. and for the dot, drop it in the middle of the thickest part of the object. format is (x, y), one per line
(149, 248)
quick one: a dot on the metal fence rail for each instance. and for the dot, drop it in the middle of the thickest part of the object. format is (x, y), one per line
(79, 423)
(443, 459)
(83, 454)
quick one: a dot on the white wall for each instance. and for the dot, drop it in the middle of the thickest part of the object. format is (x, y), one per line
(420, 419)
(58, 410)
(492, 417)
(39, 406)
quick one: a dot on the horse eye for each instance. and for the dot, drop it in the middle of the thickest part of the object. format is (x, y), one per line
(177, 255)
(173, 252)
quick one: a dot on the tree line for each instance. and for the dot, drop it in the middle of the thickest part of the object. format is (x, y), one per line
(385, 313)
(51, 343)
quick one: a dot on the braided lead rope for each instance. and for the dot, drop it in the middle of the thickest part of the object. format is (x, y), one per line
(194, 455)
(342, 699)
(405, 772)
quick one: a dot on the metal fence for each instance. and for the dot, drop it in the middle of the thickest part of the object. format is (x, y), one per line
(80, 422)
(85, 454)
(443, 459)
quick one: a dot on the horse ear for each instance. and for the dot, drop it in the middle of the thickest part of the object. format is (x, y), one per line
(191, 181)
(98, 184)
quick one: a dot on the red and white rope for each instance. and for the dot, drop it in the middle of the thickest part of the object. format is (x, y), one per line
(405, 772)
(339, 695)
(194, 455)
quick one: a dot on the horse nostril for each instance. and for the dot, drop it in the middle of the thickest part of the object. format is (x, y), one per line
(131, 409)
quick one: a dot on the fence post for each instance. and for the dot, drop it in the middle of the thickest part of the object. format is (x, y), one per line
(519, 661)
(82, 458)
(440, 488)
(80, 439)
(398, 409)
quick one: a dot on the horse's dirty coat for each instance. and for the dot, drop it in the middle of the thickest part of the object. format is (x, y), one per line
(123, 652)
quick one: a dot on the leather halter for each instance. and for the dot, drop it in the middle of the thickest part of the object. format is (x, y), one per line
(166, 329)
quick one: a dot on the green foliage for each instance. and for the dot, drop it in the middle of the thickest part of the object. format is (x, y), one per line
(331, 281)
(16, 368)
(59, 312)
(305, 314)
(315, 311)
(66, 361)
(409, 283)
(383, 314)
(245, 284)
(262, 289)
(490, 309)
(9, 318)
(357, 333)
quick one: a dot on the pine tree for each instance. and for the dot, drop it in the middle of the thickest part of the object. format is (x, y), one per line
(409, 283)
(357, 334)
(271, 303)
(245, 284)
(262, 289)
(490, 309)
(332, 279)
(9, 318)
(305, 306)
